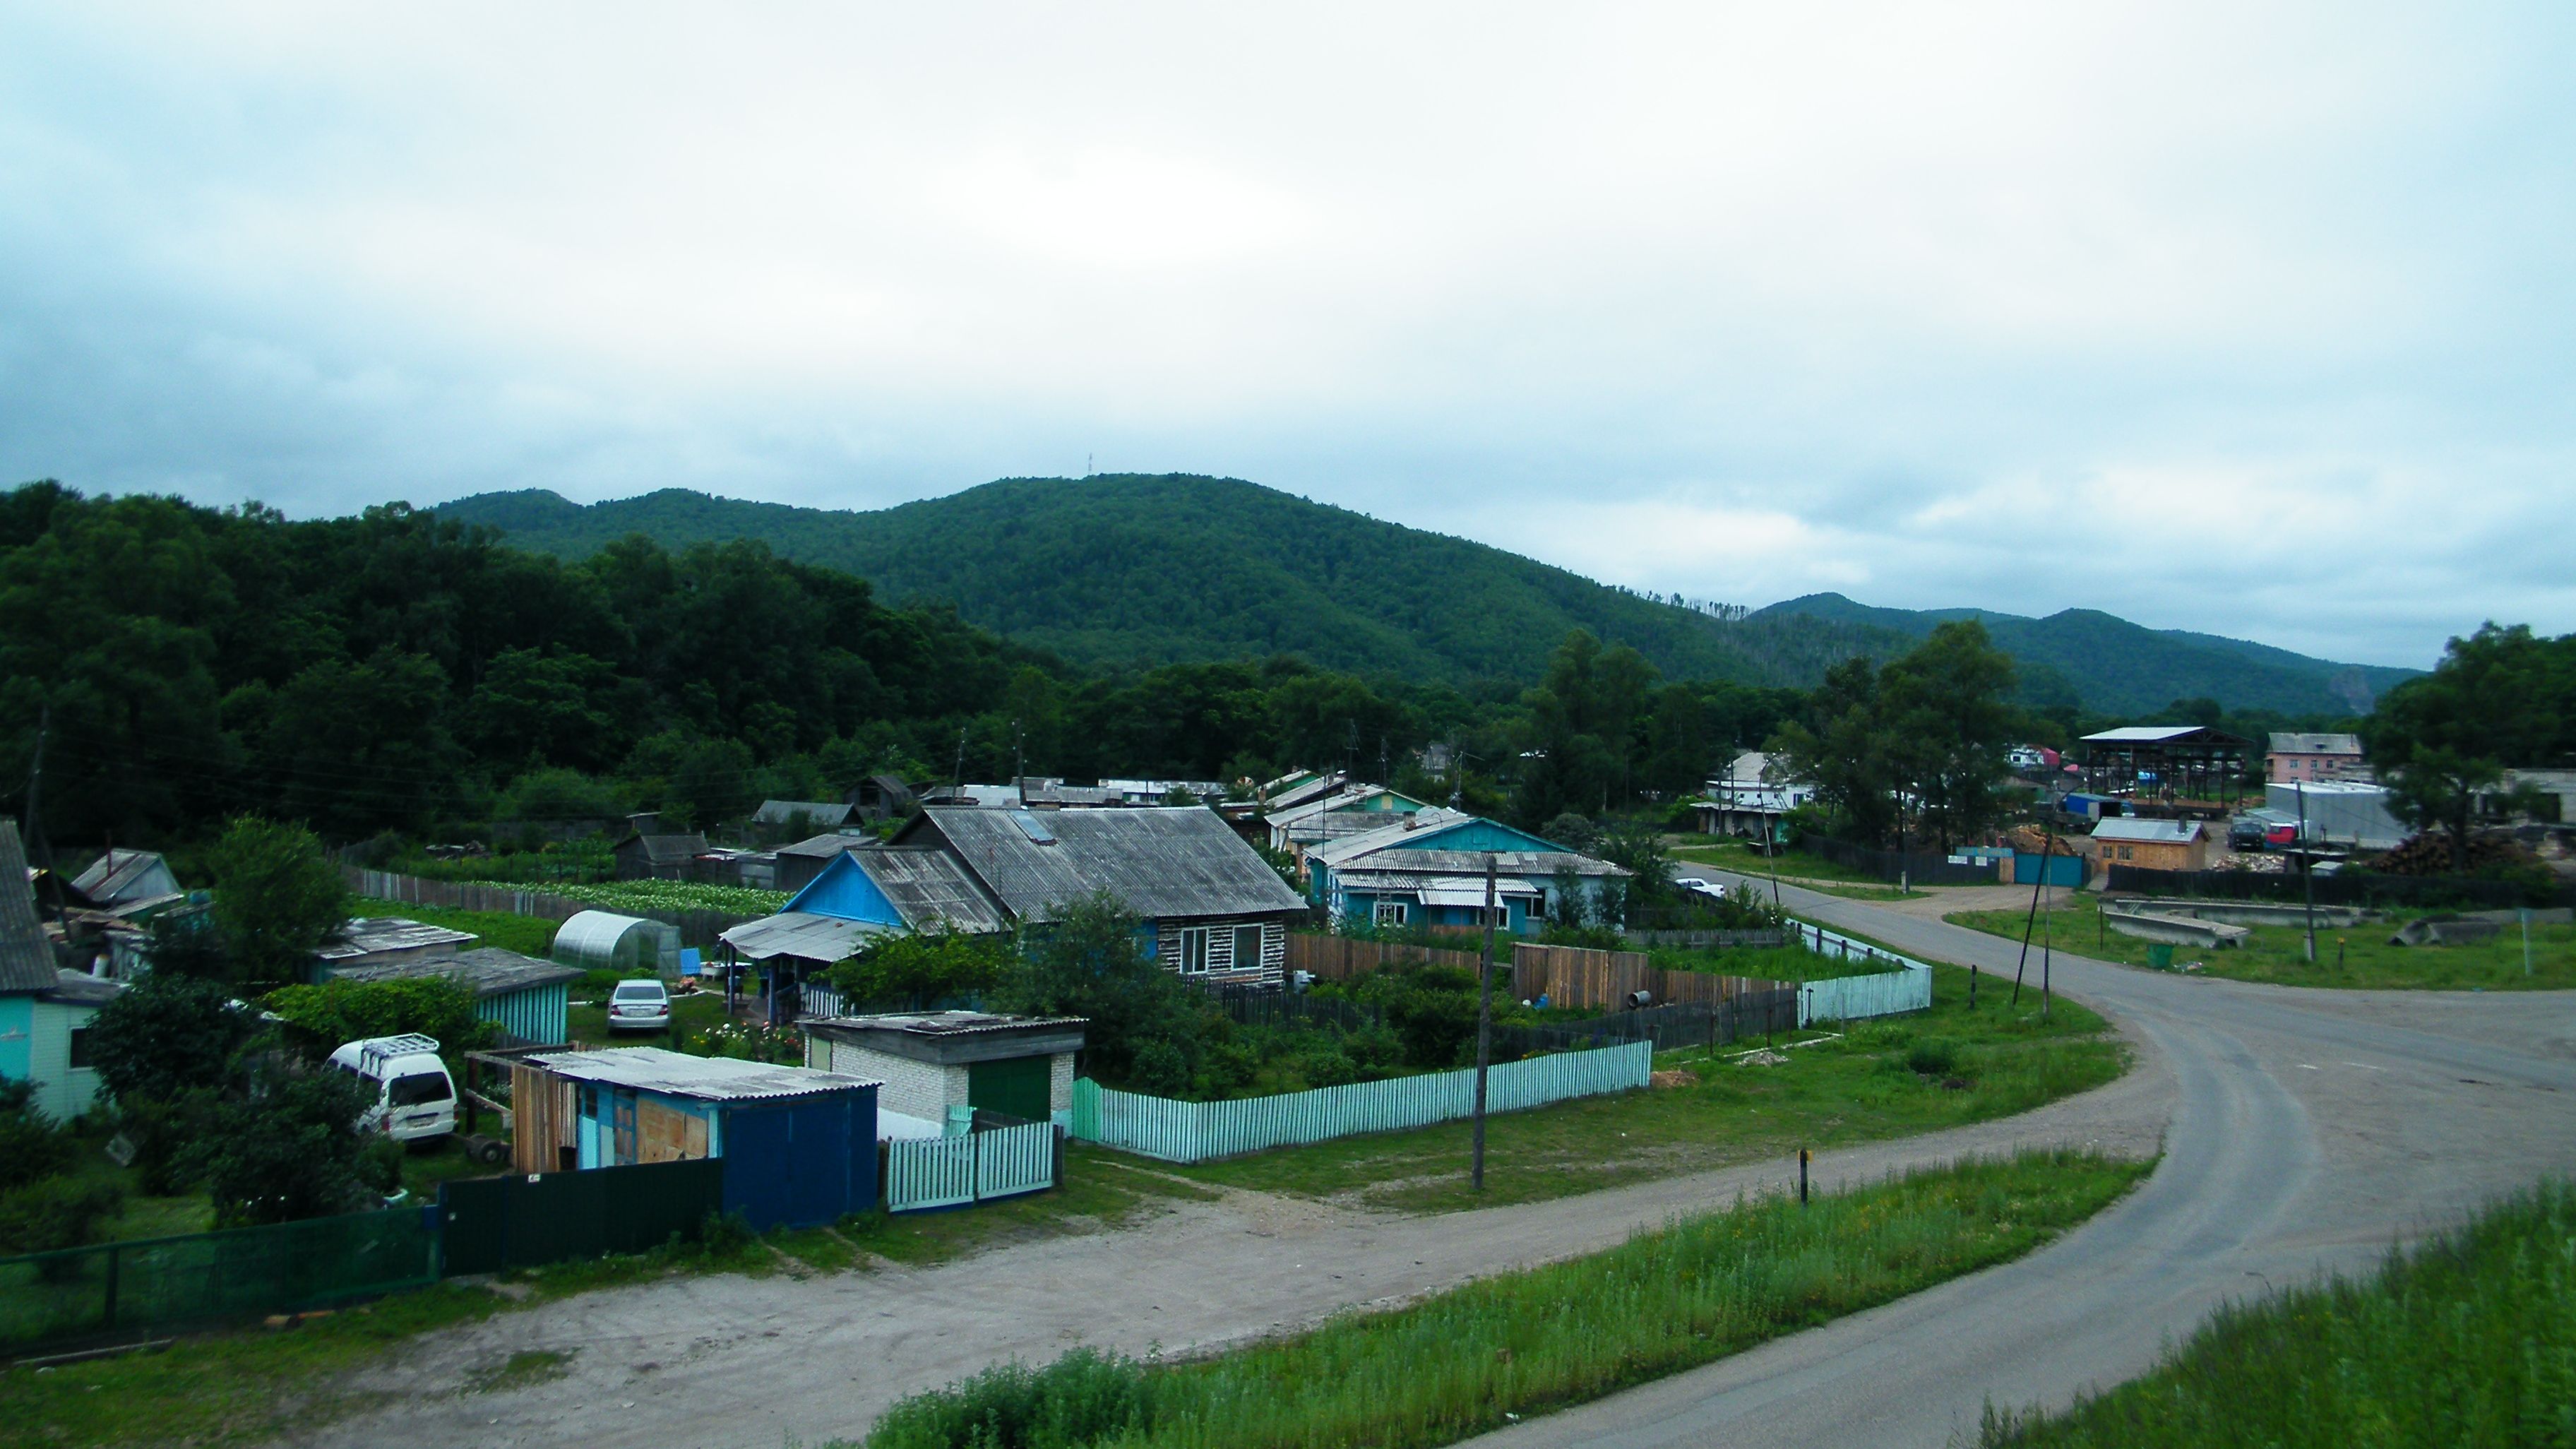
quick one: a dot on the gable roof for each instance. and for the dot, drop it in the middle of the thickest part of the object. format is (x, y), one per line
(819, 812)
(668, 849)
(1157, 861)
(2148, 832)
(119, 876)
(821, 846)
(931, 890)
(803, 935)
(1413, 850)
(26, 958)
(2300, 742)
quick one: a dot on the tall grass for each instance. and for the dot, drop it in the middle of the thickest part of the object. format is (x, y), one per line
(1468, 1360)
(2468, 1340)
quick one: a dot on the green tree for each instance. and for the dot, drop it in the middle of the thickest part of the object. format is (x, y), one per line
(915, 971)
(1947, 716)
(1147, 1026)
(2499, 699)
(324, 1017)
(290, 1153)
(277, 898)
(165, 1037)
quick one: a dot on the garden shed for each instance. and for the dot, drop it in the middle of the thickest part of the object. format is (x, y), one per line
(934, 1063)
(627, 945)
(526, 997)
(799, 1145)
(371, 940)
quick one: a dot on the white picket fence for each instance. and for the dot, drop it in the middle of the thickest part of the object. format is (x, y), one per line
(935, 1172)
(1199, 1131)
(1854, 998)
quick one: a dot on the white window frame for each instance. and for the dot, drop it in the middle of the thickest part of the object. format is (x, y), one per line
(1389, 913)
(1194, 942)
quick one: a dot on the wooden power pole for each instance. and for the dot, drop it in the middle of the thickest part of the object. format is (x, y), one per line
(1484, 1026)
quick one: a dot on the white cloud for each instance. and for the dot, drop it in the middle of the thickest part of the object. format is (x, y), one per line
(2262, 313)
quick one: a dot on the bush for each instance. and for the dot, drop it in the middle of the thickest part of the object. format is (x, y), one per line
(55, 1214)
(1933, 1057)
(32, 1145)
(166, 1036)
(920, 972)
(380, 1165)
(1328, 1066)
(287, 1154)
(1375, 1050)
(325, 1016)
(1085, 1397)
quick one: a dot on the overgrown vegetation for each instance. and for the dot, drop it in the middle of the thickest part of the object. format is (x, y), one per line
(1476, 1357)
(2469, 1339)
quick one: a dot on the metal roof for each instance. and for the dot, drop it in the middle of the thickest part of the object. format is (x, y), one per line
(706, 1079)
(2163, 735)
(2148, 832)
(821, 812)
(114, 878)
(668, 849)
(954, 1023)
(803, 935)
(1156, 862)
(1314, 789)
(26, 958)
(2296, 742)
(1352, 847)
(822, 846)
(930, 890)
(78, 988)
(487, 970)
(367, 935)
(1423, 864)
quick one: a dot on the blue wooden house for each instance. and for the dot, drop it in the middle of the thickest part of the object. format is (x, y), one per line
(44, 1011)
(799, 1146)
(1429, 870)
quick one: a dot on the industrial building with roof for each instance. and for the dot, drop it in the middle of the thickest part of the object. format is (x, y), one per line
(1429, 870)
(2191, 762)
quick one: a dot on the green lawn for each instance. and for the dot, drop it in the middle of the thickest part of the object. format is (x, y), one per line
(252, 1385)
(527, 935)
(1478, 1357)
(2353, 956)
(2470, 1339)
(1861, 1087)
(693, 1012)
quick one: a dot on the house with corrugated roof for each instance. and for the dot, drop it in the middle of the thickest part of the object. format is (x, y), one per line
(658, 856)
(45, 1011)
(2292, 756)
(527, 998)
(1429, 870)
(2151, 844)
(1298, 828)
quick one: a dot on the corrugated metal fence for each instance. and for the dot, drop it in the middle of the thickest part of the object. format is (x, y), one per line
(936, 1172)
(1201, 1131)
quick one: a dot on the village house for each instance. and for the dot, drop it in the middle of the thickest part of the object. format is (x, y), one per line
(1748, 798)
(1428, 869)
(782, 819)
(1296, 829)
(2292, 757)
(658, 856)
(2151, 844)
(45, 1011)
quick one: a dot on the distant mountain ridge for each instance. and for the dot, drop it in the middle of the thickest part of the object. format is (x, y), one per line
(1144, 569)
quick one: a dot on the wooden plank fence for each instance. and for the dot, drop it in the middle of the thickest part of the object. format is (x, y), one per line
(1202, 1131)
(1579, 976)
(935, 1172)
(1336, 958)
(697, 927)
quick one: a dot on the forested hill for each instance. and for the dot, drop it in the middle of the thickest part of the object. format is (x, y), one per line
(2118, 667)
(1125, 569)
(1130, 569)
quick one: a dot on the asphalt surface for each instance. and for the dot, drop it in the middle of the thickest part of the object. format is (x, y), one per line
(2312, 1130)
(2302, 1130)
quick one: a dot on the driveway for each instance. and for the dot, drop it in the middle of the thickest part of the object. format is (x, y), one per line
(2303, 1130)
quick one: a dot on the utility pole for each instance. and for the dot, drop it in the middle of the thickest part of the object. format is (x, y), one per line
(1020, 763)
(1484, 1026)
(959, 779)
(43, 854)
(2307, 881)
(2047, 847)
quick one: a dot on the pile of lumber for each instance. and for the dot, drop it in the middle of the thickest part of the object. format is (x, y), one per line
(2430, 854)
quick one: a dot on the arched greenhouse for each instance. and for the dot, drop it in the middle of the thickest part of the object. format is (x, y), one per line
(628, 945)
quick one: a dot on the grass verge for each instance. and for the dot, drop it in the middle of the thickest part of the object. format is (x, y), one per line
(252, 1385)
(2470, 1339)
(1480, 1356)
(1920, 1073)
(2352, 957)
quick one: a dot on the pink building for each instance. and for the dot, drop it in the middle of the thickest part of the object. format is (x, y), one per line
(2296, 758)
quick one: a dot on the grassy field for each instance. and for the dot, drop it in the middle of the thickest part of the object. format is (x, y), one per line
(1483, 1355)
(2470, 1339)
(527, 935)
(2354, 956)
(1935, 1069)
(252, 1385)
(693, 1012)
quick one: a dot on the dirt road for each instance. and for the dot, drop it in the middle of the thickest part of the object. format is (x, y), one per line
(2306, 1130)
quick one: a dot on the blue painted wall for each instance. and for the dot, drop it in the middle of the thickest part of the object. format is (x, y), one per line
(844, 892)
(17, 1036)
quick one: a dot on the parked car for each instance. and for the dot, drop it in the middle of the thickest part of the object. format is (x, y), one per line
(639, 1006)
(415, 1099)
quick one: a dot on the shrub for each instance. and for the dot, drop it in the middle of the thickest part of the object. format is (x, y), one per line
(32, 1145)
(1375, 1050)
(1328, 1066)
(1085, 1397)
(1933, 1057)
(55, 1214)
(290, 1153)
(166, 1036)
(324, 1016)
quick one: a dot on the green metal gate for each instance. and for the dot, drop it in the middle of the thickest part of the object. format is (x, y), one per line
(1014, 1088)
(521, 1221)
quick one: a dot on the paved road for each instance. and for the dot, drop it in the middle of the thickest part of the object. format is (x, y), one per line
(2302, 1128)
(2311, 1130)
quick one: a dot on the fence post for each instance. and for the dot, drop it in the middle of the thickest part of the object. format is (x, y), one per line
(115, 1255)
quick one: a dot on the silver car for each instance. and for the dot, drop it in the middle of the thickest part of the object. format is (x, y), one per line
(639, 1006)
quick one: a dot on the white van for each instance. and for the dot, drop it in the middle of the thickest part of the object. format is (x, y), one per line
(414, 1097)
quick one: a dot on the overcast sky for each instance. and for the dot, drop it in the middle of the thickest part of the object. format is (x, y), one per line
(2254, 320)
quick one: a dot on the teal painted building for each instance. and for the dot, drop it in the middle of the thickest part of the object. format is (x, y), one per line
(1429, 871)
(528, 998)
(45, 1011)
